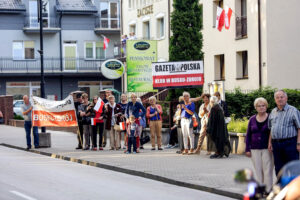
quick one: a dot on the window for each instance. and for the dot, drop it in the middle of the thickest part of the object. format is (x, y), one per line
(242, 64)
(160, 28)
(94, 50)
(241, 21)
(132, 28)
(216, 3)
(219, 67)
(129, 4)
(33, 14)
(109, 15)
(146, 30)
(23, 50)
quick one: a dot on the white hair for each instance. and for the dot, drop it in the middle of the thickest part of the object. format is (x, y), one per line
(153, 98)
(285, 94)
(186, 93)
(213, 100)
(260, 100)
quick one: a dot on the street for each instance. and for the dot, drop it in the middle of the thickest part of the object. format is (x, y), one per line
(25, 175)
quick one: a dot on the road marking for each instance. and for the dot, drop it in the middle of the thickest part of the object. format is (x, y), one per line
(22, 195)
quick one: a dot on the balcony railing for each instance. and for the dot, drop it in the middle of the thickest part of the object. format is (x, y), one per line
(241, 27)
(48, 22)
(107, 24)
(51, 65)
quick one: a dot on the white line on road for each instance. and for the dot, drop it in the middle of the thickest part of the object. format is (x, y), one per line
(22, 195)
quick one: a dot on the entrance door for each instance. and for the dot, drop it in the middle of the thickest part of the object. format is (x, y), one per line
(70, 57)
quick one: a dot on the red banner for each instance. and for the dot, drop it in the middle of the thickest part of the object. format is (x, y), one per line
(62, 119)
(177, 74)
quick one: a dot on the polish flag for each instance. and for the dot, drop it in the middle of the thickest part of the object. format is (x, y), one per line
(105, 41)
(220, 18)
(93, 121)
(122, 126)
(99, 105)
(228, 13)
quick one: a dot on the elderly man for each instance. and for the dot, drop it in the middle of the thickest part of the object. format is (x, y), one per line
(27, 108)
(284, 123)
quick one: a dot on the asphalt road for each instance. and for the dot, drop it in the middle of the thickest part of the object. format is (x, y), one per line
(24, 175)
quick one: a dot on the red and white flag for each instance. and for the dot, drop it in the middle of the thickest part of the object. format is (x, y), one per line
(122, 126)
(93, 121)
(228, 13)
(220, 18)
(99, 105)
(105, 42)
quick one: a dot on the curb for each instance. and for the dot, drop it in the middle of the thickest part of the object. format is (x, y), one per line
(132, 172)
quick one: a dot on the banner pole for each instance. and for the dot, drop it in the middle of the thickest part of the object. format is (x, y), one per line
(78, 134)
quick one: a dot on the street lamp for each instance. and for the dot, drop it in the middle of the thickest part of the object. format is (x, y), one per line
(41, 51)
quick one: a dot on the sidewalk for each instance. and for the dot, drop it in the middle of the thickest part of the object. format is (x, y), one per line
(192, 171)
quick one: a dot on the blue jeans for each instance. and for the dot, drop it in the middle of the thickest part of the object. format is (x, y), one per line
(27, 126)
(284, 152)
(131, 142)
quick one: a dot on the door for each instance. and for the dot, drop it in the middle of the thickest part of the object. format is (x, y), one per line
(70, 57)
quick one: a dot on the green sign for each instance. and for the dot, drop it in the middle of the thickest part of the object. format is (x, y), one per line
(140, 55)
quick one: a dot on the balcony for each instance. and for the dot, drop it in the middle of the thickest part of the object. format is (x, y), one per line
(50, 24)
(241, 27)
(111, 25)
(51, 65)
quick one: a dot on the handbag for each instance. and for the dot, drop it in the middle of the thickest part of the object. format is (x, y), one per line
(117, 127)
(195, 123)
(145, 140)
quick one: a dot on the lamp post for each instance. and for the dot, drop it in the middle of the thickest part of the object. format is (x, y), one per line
(41, 51)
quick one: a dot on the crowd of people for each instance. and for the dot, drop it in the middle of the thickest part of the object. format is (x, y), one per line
(272, 139)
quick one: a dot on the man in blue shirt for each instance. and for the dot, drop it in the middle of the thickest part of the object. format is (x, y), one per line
(284, 122)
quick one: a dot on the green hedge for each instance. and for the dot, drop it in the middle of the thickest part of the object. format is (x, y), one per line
(241, 104)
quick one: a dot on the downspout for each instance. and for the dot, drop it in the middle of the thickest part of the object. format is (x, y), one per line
(259, 45)
(169, 22)
(121, 33)
(61, 57)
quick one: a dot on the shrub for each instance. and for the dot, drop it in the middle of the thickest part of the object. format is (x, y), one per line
(241, 104)
(238, 125)
(18, 117)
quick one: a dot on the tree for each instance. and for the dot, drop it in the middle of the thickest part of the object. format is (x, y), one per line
(186, 41)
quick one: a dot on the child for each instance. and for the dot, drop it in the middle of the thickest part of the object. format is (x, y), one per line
(132, 134)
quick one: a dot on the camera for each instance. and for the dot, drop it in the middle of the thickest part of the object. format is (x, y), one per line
(181, 102)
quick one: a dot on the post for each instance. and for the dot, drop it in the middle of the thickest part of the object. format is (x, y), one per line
(41, 51)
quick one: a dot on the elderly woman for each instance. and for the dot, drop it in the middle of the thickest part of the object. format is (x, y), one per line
(187, 111)
(137, 110)
(217, 131)
(203, 114)
(257, 143)
(154, 112)
(113, 114)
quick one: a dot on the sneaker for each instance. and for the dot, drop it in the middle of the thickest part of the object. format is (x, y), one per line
(127, 152)
(159, 148)
(168, 146)
(124, 147)
(134, 152)
(94, 149)
(175, 146)
(100, 149)
(153, 149)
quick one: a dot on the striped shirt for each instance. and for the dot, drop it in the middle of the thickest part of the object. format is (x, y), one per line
(284, 123)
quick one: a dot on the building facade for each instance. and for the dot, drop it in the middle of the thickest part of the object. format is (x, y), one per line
(259, 49)
(148, 20)
(73, 46)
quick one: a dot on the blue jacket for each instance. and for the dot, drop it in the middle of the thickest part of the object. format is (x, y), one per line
(135, 110)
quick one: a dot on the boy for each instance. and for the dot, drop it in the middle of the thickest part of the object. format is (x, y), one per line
(132, 134)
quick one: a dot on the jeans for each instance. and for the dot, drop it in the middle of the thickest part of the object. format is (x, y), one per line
(173, 137)
(99, 126)
(27, 126)
(284, 152)
(131, 142)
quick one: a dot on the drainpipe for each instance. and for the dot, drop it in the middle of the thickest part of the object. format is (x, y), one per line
(169, 22)
(259, 44)
(61, 57)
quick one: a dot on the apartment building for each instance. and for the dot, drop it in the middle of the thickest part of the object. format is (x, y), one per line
(148, 20)
(73, 46)
(261, 47)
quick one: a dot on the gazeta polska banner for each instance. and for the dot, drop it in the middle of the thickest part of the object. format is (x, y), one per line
(140, 55)
(177, 74)
(53, 113)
